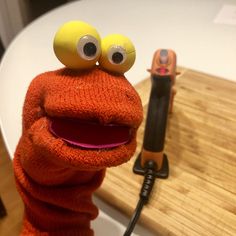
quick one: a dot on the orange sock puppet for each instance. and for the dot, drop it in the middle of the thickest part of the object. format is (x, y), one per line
(77, 121)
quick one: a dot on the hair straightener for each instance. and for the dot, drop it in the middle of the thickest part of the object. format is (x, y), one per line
(152, 162)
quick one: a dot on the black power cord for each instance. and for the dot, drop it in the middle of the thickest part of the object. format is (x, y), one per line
(148, 182)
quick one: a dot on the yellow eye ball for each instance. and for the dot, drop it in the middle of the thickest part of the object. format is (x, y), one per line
(77, 45)
(118, 53)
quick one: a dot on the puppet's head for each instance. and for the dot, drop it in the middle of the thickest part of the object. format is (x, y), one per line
(92, 110)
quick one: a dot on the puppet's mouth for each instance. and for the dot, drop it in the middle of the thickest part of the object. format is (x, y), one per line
(87, 134)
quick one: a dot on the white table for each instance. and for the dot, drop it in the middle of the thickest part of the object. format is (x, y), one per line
(185, 25)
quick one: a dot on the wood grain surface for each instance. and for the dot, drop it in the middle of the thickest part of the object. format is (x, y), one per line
(10, 225)
(199, 197)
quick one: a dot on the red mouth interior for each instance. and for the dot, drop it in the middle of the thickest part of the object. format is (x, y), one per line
(88, 134)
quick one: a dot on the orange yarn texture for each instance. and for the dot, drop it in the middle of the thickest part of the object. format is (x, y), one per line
(56, 180)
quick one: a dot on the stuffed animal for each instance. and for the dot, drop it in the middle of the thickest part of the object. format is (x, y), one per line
(77, 121)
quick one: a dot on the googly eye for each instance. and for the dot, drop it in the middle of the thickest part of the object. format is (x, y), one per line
(77, 45)
(88, 47)
(117, 53)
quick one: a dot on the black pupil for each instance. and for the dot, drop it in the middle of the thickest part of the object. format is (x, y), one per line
(90, 49)
(117, 57)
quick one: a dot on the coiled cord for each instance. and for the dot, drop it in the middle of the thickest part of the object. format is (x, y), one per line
(148, 182)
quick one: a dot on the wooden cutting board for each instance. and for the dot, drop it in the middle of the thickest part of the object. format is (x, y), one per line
(199, 197)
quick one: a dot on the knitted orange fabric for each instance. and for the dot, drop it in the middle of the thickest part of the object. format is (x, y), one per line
(56, 179)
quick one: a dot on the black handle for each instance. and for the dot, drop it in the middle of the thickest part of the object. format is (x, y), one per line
(154, 137)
